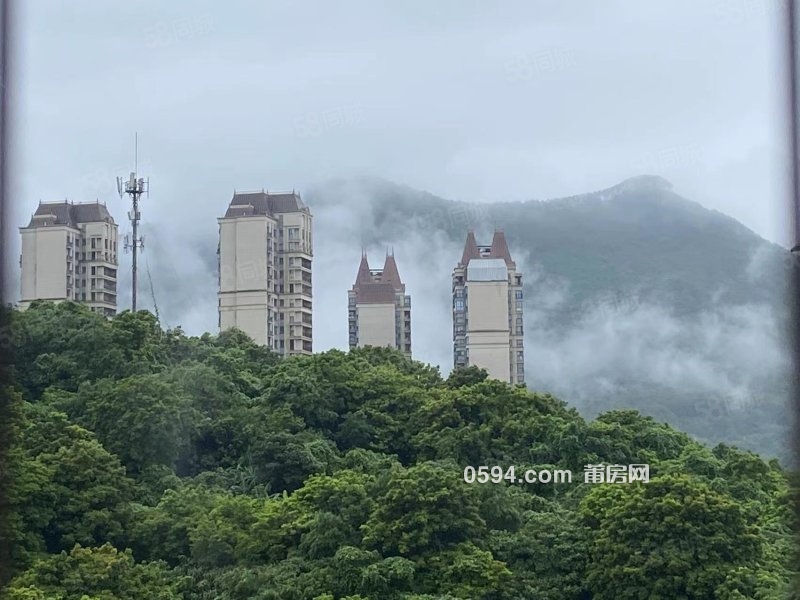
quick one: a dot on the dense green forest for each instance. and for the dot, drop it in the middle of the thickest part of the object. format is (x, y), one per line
(149, 464)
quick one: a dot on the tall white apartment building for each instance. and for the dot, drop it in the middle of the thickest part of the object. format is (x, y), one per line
(265, 252)
(379, 311)
(487, 310)
(69, 252)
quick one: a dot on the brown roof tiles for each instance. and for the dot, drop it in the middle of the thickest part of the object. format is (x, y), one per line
(246, 204)
(67, 213)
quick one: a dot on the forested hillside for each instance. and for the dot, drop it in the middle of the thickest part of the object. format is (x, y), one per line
(635, 297)
(149, 464)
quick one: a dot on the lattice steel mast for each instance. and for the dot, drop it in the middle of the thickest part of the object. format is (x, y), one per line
(134, 187)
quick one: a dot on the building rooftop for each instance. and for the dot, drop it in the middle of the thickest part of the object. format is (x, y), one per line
(487, 269)
(498, 249)
(49, 214)
(375, 293)
(246, 204)
(387, 278)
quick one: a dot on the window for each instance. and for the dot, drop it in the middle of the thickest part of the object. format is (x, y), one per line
(459, 304)
(519, 343)
(518, 294)
(93, 270)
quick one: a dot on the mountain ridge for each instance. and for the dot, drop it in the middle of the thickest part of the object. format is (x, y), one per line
(628, 289)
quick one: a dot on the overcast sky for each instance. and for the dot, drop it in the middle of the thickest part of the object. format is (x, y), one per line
(471, 100)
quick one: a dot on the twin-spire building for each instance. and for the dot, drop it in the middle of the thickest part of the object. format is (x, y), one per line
(265, 255)
(379, 311)
(487, 310)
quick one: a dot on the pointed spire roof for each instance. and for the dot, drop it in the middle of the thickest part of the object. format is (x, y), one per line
(470, 249)
(390, 273)
(363, 270)
(500, 247)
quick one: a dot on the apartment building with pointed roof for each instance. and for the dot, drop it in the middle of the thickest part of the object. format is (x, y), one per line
(487, 310)
(379, 311)
(69, 252)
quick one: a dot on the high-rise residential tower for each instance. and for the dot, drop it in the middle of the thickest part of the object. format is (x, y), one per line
(69, 252)
(379, 311)
(487, 310)
(265, 252)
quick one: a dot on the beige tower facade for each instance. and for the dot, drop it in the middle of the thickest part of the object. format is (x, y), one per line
(69, 252)
(379, 311)
(487, 310)
(265, 253)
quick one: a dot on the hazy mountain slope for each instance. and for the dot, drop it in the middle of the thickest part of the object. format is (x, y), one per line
(635, 296)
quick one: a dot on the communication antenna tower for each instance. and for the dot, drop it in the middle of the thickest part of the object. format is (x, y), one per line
(134, 187)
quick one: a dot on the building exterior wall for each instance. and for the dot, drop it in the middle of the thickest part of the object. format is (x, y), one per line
(246, 311)
(99, 266)
(489, 350)
(487, 331)
(403, 323)
(376, 325)
(295, 271)
(44, 265)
